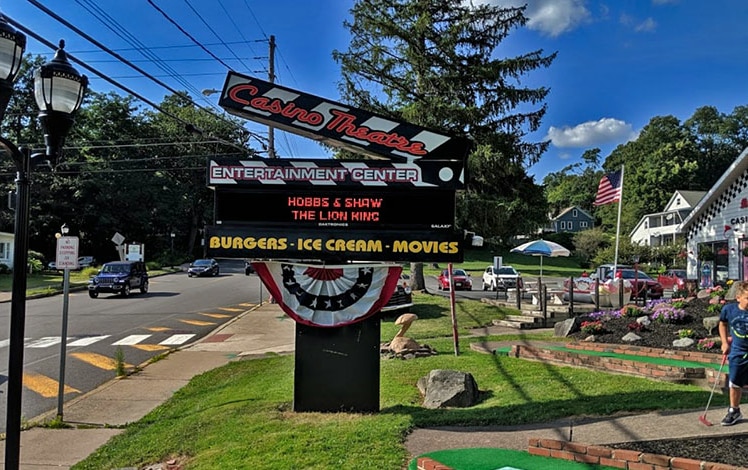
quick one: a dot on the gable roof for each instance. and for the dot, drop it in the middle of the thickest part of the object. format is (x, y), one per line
(732, 173)
(569, 209)
(692, 197)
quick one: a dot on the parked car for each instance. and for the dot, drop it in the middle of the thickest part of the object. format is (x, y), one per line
(248, 269)
(83, 262)
(203, 267)
(119, 277)
(402, 298)
(461, 278)
(722, 273)
(86, 261)
(640, 283)
(603, 271)
(674, 279)
(503, 278)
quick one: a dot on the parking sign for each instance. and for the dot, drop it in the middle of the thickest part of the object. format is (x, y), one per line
(67, 253)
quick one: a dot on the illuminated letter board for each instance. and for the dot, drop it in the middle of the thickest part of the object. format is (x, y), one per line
(399, 206)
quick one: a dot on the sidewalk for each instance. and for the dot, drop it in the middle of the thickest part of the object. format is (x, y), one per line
(267, 329)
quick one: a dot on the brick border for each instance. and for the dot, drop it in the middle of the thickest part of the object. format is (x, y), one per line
(618, 458)
(626, 366)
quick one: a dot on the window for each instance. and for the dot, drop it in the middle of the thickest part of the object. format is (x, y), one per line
(563, 225)
(582, 224)
(575, 213)
(4, 250)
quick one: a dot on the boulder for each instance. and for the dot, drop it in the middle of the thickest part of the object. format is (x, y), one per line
(683, 342)
(448, 388)
(565, 328)
(631, 337)
(402, 344)
(710, 323)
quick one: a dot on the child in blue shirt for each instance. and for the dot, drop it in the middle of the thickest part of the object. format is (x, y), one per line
(733, 331)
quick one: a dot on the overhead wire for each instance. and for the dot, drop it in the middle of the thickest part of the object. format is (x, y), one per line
(109, 22)
(71, 57)
(179, 27)
(189, 126)
(215, 34)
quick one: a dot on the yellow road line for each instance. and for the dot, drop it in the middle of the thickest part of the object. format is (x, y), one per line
(231, 309)
(215, 315)
(150, 347)
(98, 360)
(158, 328)
(246, 304)
(44, 386)
(198, 322)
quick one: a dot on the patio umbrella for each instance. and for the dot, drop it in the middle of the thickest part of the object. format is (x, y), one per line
(541, 248)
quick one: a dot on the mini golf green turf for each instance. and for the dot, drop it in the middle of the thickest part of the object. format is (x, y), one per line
(501, 459)
(504, 351)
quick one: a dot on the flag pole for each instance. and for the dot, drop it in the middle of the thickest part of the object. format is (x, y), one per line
(618, 225)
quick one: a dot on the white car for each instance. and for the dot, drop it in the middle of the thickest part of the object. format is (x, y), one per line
(503, 278)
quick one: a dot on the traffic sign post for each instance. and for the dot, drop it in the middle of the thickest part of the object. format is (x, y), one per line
(66, 259)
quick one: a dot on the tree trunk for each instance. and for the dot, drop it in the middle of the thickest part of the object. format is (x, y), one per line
(417, 281)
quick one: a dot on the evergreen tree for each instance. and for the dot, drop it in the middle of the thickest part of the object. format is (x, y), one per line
(433, 63)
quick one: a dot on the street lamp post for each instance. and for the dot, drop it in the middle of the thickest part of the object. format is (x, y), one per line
(58, 90)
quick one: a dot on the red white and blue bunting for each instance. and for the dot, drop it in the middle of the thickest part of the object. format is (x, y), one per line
(329, 296)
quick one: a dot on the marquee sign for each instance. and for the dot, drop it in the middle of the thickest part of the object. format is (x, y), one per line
(336, 124)
(334, 244)
(329, 173)
(336, 208)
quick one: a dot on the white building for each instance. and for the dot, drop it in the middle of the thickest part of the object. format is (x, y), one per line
(6, 249)
(716, 229)
(661, 228)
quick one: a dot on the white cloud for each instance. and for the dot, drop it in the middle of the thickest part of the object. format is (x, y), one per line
(646, 26)
(552, 17)
(591, 133)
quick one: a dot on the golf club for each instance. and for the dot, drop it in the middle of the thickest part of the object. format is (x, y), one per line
(717, 379)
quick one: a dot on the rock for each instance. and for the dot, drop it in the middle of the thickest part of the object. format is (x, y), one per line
(631, 337)
(448, 388)
(565, 328)
(683, 342)
(703, 294)
(402, 344)
(710, 323)
(644, 321)
(731, 291)
(590, 339)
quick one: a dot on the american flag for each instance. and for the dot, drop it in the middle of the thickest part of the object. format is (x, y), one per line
(609, 189)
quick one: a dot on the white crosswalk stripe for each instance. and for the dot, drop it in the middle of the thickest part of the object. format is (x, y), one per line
(176, 339)
(88, 340)
(130, 340)
(45, 342)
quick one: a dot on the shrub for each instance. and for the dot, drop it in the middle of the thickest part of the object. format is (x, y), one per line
(635, 326)
(592, 327)
(678, 303)
(685, 333)
(705, 344)
(714, 309)
(668, 315)
(631, 311)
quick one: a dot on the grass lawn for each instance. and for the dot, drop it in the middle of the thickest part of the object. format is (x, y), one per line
(50, 282)
(240, 415)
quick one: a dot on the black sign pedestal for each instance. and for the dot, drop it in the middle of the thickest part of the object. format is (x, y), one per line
(337, 369)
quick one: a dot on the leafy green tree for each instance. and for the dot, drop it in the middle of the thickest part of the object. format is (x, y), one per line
(433, 63)
(575, 184)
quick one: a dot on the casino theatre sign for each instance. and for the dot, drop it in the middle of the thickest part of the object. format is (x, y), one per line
(397, 207)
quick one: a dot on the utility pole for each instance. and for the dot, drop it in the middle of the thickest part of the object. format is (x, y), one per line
(271, 79)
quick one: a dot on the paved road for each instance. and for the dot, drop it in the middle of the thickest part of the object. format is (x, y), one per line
(177, 311)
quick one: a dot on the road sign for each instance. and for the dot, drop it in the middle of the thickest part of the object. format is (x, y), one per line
(67, 253)
(118, 238)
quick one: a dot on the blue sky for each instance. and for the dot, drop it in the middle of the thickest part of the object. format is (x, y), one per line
(619, 63)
